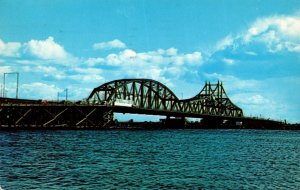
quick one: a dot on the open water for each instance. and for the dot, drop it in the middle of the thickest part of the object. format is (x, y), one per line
(150, 159)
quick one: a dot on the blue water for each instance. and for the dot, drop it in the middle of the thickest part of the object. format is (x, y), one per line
(154, 159)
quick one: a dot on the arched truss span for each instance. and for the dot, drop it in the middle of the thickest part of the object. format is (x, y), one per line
(140, 93)
(151, 94)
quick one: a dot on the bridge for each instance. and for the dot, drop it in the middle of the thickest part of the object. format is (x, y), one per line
(138, 96)
(155, 98)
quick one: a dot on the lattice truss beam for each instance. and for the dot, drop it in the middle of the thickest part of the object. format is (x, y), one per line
(54, 116)
(212, 100)
(146, 94)
(150, 94)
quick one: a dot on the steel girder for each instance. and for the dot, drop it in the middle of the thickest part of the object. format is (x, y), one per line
(47, 116)
(140, 93)
(151, 94)
(212, 100)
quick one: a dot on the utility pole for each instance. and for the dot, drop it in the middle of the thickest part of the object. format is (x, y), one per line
(60, 93)
(66, 94)
(17, 90)
(3, 86)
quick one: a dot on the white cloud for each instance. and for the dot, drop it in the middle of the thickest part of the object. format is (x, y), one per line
(234, 84)
(277, 33)
(80, 92)
(153, 64)
(251, 53)
(47, 49)
(251, 99)
(39, 90)
(279, 26)
(88, 70)
(229, 61)
(87, 75)
(160, 57)
(26, 62)
(45, 71)
(193, 57)
(171, 51)
(224, 43)
(259, 105)
(51, 71)
(94, 61)
(128, 54)
(5, 69)
(87, 78)
(110, 45)
(10, 49)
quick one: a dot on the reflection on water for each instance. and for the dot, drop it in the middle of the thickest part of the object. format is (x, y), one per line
(164, 159)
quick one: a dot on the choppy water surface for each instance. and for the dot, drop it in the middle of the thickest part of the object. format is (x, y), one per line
(162, 159)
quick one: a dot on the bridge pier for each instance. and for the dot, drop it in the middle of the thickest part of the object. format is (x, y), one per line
(211, 122)
(174, 123)
(220, 123)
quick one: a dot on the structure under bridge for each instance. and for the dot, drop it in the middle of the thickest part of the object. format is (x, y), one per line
(138, 96)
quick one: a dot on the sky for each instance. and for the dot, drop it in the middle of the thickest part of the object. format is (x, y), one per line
(252, 46)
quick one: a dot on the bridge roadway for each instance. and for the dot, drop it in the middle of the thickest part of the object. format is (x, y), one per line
(136, 96)
(27, 104)
(42, 114)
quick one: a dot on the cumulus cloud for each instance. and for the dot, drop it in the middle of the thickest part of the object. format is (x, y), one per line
(276, 33)
(252, 99)
(46, 71)
(160, 57)
(39, 90)
(87, 78)
(153, 64)
(9, 49)
(287, 26)
(47, 49)
(156, 64)
(88, 70)
(114, 44)
(87, 75)
(234, 83)
(94, 61)
(256, 104)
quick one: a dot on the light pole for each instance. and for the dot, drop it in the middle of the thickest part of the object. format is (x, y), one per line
(17, 89)
(66, 93)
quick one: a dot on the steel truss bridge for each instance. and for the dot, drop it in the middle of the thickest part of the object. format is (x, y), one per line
(152, 95)
(140, 96)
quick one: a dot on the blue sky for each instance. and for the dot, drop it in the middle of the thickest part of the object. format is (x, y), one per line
(253, 46)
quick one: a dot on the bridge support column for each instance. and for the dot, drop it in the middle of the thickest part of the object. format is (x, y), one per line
(212, 123)
(174, 123)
